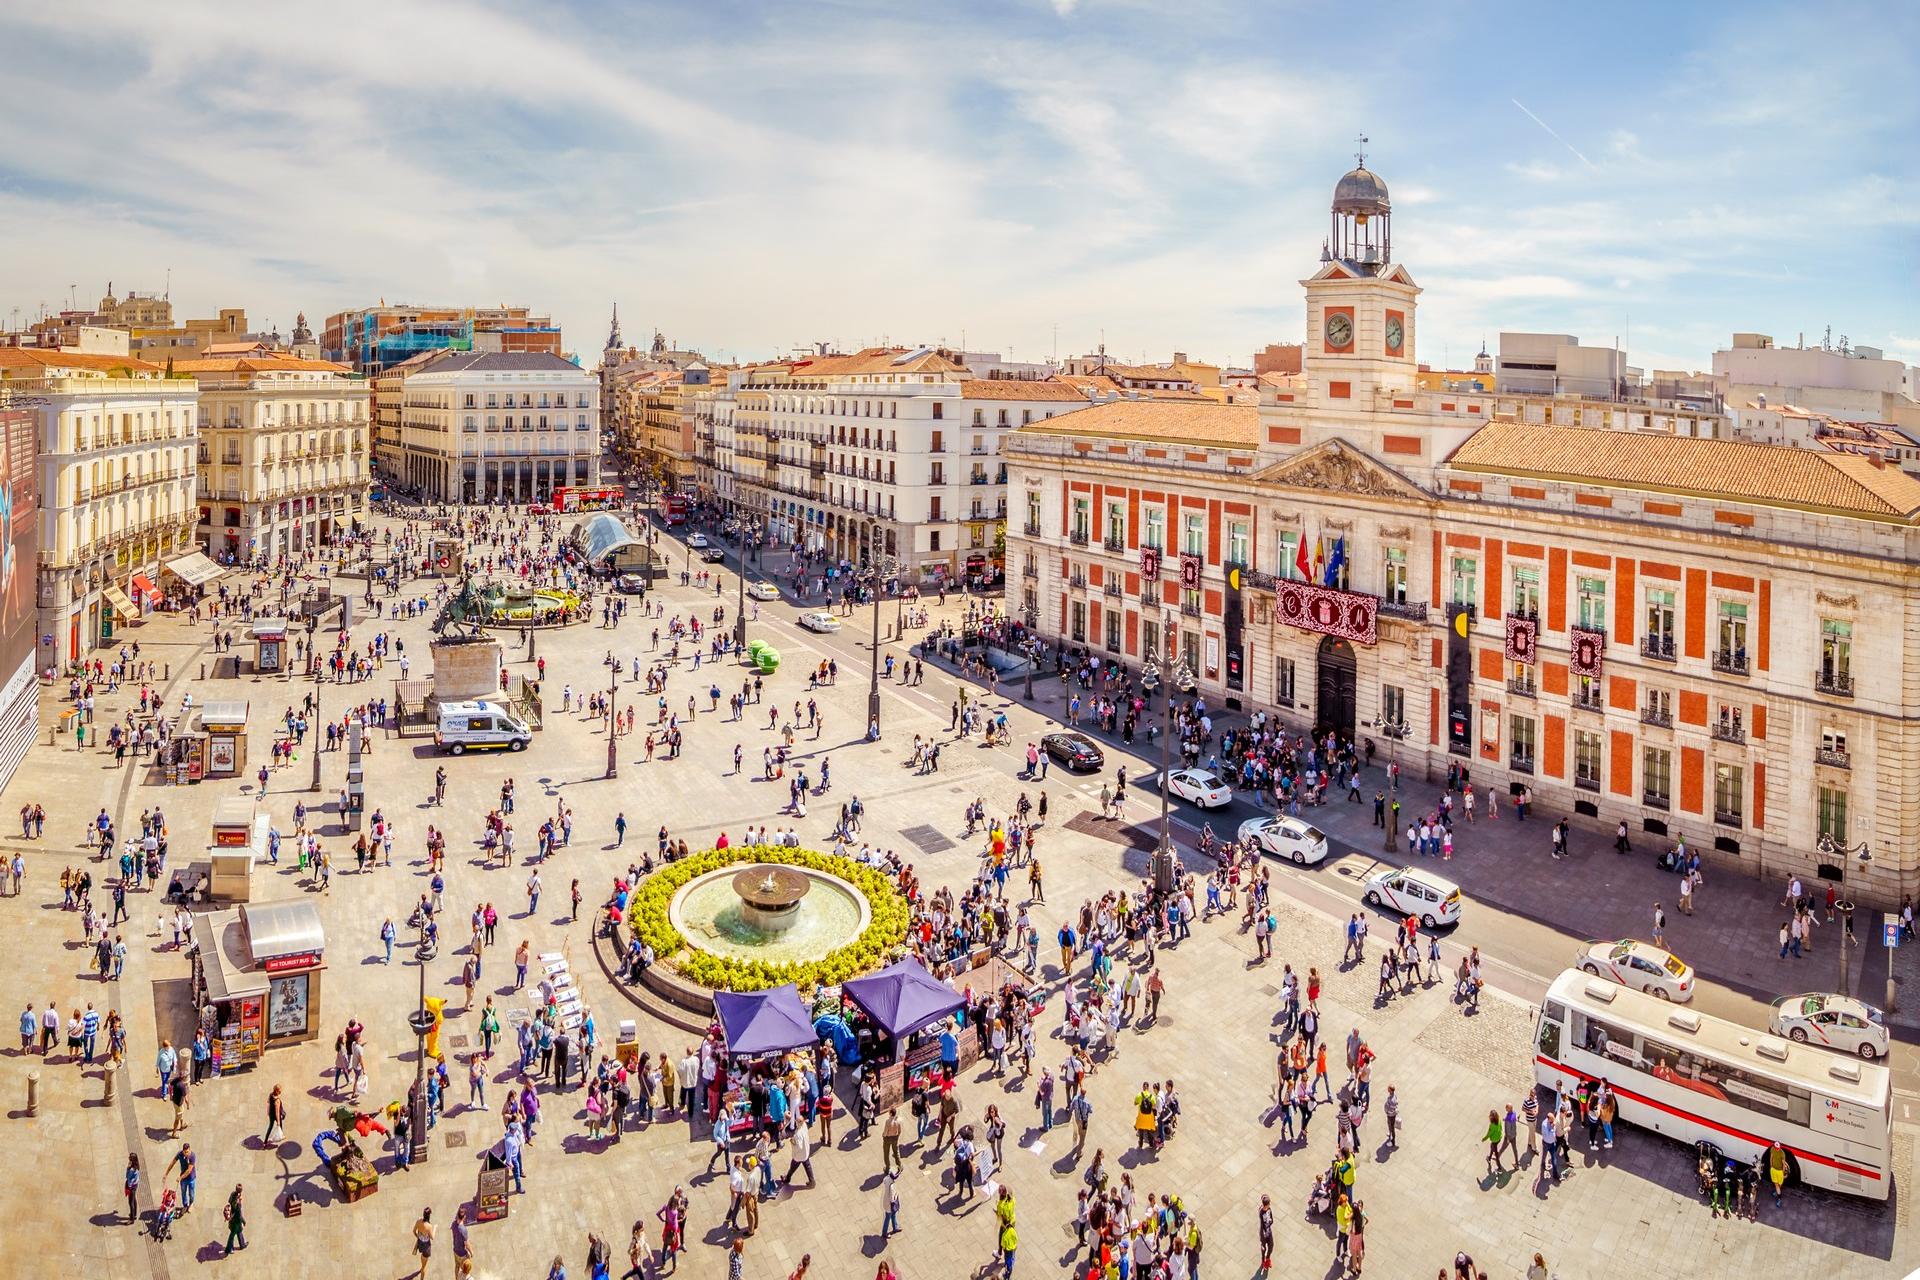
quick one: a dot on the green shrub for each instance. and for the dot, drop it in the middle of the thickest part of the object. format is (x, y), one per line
(881, 941)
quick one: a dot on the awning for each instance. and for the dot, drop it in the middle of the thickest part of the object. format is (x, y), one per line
(119, 602)
(759, 1022)
(144, 589)
(194, 569)
(902, 998)
(282, 929)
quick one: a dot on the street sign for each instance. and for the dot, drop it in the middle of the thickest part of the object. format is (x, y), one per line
(1890, 930)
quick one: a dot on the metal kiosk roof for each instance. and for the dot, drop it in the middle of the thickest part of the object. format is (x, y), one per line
(223, 715)
(281, 929)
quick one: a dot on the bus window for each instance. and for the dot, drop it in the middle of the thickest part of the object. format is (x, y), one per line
(1550, 1037)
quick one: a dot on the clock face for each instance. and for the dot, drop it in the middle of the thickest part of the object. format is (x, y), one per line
(1396, 333)
(1339, 329)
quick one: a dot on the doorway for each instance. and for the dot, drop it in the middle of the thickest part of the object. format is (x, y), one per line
(1335, 708)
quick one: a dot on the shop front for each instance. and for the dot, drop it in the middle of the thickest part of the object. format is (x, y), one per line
(256, 978)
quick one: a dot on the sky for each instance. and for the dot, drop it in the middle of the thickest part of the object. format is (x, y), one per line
(1026, 176)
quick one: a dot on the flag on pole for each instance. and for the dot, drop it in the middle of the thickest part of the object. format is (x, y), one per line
(1300, 561)
(1335, 562)
(1319, 559)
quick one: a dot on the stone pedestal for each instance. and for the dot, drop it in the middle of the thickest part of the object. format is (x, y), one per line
(466, 669)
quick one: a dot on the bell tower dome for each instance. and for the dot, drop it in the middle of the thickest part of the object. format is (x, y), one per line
(1362, 219)
(1360, 303)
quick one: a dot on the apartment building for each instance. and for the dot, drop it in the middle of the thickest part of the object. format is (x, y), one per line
(115, 476)
(511, 427)
(283, 458)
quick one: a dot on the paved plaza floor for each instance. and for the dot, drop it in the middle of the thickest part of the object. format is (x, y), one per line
(1629, 1211)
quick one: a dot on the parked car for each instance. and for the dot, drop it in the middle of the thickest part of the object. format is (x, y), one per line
(1833, 1022)
(1074, 750)
(1632, 963)
(631, 583)
(819, 620)
(1198, 787)
(763, 591)
(1411, 891)
(1284, 837)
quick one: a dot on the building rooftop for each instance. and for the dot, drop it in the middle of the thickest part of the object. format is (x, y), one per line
(506, 362)
(258, 364)
(877, 360)
(52, 361)
(1176, 422)
(1019, 389)
(1762, 474)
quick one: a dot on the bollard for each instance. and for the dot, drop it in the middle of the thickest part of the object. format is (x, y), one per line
(203, 671)
(112, 1086)
(33, 1093)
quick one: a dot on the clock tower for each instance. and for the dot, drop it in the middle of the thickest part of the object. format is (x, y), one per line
(1360, 304)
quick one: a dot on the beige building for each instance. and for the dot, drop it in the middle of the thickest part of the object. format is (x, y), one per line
(498, 427)
(1704, 638)
(283, 455)
(115, 471)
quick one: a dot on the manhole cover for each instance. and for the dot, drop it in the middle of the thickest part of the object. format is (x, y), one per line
(458, 1042)
(928, 839)
(456, 1139)
(1269, 990)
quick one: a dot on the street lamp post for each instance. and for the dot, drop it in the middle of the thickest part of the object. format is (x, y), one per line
(1149, 680)
(882, 570)
(1394, 730)
(1839, 853)
(422, 1023)
(313, 658)
(613, 723)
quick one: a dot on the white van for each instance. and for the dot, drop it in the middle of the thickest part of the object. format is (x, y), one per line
(481, 726)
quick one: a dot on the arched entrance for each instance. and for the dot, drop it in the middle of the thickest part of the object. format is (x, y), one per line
(1335, 707)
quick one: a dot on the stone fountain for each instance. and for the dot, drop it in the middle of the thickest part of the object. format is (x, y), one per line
(770, 896)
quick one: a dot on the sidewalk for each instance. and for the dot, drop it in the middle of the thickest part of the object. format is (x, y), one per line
(1593, 893)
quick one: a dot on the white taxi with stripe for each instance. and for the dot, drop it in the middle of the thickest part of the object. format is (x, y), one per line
(1639, 965)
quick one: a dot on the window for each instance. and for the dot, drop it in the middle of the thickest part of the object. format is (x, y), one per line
(1586, 760)
(1193, 534)
(933, 543)
(1728, 792)
(1150, 646)
(1113, 630)
(1593, 604)
(1078, 614)
(1156, 531)
(1656, 777)
(1836, 655)
(1396, 584)
(1586, 692)
(1521, 729)
(938, 413)
(1238, 548)
(1116, 526)
(1466, 581)
(1660, 621)
(1393, 704)
(1033, 513)
(1833, 813)
(1082, 519)
(1190, 651)
(1733, 635)
(1526, 591)
(1289, 550)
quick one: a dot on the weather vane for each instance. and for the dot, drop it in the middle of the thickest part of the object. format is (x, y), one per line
(1361, 153)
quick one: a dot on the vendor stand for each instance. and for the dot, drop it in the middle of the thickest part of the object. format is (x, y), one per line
(240, 837)
(256, 978)
(269, 645)
(223, 725)
(758, 1027)
(906, 1010)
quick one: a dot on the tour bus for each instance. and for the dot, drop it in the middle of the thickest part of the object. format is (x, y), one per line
(1694, 1077)
(479, 726)
(567, 499)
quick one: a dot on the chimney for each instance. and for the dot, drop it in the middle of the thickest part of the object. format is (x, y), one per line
(1179, 357)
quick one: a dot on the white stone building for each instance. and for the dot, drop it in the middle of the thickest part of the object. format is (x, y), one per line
(500, 426)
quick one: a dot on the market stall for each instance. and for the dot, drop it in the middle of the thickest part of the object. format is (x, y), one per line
(193, 572)
(758, 1023)
(906, 1013)
(256, 978)
(238, 839)
(269, 645)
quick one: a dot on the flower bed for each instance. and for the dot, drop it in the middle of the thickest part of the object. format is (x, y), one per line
(885, 934)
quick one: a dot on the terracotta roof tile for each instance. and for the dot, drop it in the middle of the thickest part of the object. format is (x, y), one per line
(1019, 389)
(1177, 422)
(53, 359)
(1762, 474)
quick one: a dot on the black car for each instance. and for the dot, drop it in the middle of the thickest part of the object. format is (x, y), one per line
(714, 555)
(1074, 750)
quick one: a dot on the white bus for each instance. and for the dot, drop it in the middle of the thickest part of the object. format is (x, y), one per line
(1693, 1077)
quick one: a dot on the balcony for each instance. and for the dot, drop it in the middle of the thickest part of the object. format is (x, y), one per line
(1733, 663)
(1033, 528)
(1837, 757)
(1111, 589)
(1525, 688)
(1077, 580)
(1588, 701)
(1029, 571)
(1521, 764)
(1658, 647)
(979, 450)
(1723, 818)
(1112, 543)
(1413, 610)
(1656, 717)
(1078, 537)
(1189, 609)
(1654, 800)
(1473, 610)
(1728, 731)
(1836, 684)
(976, 479)
(1587, 784)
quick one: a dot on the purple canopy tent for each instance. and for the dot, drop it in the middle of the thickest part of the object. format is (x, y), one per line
(902, 998)
(761, 1022)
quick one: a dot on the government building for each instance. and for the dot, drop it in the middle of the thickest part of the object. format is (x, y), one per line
(1705, 638)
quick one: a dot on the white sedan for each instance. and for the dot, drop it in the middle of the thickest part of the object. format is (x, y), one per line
(1639, 964)
(763, 591)
(1833, 1022)
(819, 620)
(1287, 838)
(1198, 787)
(697, 540)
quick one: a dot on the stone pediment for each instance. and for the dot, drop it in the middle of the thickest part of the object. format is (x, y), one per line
(1338, 467)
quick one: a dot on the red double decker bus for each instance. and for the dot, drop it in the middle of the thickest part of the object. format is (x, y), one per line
(573, 499)
(673, 509)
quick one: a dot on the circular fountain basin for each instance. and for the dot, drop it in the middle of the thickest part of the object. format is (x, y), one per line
(783, 913)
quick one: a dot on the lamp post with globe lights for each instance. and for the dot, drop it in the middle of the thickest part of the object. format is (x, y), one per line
(1838, 853)
(1150, 680)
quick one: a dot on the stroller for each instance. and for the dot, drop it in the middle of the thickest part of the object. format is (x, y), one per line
(164, 1216)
